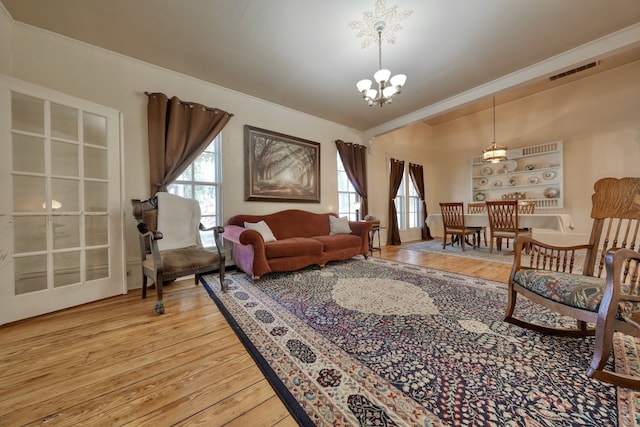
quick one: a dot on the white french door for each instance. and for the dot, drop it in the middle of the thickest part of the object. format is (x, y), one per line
(61, 225)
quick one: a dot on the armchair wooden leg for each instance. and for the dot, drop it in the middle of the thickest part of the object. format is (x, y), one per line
(144, 286)
(159, 307)
(223, 285)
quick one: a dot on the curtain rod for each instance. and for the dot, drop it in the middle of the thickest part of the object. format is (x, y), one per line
(190, 104)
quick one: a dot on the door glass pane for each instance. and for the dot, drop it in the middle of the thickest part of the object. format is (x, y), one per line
(28, 153)
(66, 232)
(66, 268)
(27, 113)
(95, 129)
(95, 196)
(95, 163)
(66, 191)
(30, 274)
(64, 122)
(96, 230)
(28, 193)
(64, 158)
(97, 263)
(29, 234)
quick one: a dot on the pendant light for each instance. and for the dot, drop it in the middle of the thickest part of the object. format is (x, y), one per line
(494, 153)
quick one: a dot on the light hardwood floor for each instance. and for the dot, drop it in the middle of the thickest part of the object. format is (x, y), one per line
(112, 362)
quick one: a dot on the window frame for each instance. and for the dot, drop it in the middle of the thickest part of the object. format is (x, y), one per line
(349, 193)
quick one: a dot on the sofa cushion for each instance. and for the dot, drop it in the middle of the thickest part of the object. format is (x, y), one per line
(294, 246)
(339, 225)
(338, 242)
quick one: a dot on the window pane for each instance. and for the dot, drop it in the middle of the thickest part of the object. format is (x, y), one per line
(96, 230)
(66, 268)
(205, 168)
(66, 191)
(97, 263)
(95, 129)
(64, 122)
(187, 175)
(181, 190)
(206, 195)
(95, 196)
(29, 234)
(28, 194)
(95, 163)
(30, 274)
(66, 232)
(27, 113)
(28, 153)
(64, 158)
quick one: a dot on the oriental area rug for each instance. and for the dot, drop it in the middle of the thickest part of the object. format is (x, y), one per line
(382, 343)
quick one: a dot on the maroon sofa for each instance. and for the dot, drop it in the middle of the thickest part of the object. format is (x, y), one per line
(303, 239)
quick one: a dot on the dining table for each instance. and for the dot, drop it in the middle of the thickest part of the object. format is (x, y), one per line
(549, 221)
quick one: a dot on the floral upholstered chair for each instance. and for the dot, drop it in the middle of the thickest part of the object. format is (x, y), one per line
(606, 294)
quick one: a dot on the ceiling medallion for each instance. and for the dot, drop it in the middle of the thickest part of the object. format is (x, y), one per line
(388, 14)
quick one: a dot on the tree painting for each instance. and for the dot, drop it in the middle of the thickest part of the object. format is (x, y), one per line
(281, 167)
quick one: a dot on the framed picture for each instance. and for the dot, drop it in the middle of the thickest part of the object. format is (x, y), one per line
(280, 168)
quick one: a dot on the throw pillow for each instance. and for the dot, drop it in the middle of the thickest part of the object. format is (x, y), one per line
(262, 228)
(339, 225)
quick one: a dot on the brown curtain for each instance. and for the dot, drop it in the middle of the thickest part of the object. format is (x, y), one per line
(178, 133)
(417, 176)
(354, 159)
(395, 179)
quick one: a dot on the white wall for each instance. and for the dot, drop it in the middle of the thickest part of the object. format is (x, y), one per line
(117, 81)
(598, 118)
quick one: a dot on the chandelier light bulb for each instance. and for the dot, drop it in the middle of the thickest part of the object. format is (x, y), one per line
(398, 81)
(382, 76)
(389, 91)
(364, 85)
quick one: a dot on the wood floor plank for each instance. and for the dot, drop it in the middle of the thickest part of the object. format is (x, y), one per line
(113, 362)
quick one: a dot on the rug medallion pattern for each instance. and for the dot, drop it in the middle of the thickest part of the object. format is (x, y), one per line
(377, 342)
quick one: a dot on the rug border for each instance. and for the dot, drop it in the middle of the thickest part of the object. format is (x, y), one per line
(289, 401)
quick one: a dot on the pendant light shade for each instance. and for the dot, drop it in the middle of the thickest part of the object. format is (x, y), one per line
(494, 153)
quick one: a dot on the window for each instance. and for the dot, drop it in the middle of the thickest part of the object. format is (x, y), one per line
(347, 195)
(202, 181)
(408, 206)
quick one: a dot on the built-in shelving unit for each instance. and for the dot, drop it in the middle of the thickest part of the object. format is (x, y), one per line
(531, 173)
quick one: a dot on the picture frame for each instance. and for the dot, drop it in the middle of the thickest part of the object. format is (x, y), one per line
(280, 168)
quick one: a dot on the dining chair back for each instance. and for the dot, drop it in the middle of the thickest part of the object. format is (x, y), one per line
(453, 224)
(478, 208)
(526, 206)
(503, 222)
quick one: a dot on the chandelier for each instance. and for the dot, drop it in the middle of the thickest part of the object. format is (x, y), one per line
(387, 88)
(494, 153)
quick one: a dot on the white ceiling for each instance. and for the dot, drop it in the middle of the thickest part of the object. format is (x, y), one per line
(304, 55)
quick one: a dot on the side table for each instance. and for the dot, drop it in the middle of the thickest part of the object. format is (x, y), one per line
(375, 230)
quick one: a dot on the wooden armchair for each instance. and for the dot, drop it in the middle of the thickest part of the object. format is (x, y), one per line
(503, 222)
(453, 224)
(606, 294)
(177, 250)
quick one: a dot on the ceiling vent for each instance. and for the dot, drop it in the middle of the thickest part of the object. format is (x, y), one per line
(574, 71)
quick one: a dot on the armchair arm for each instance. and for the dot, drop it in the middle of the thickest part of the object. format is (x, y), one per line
(217, 232)
(543, 256)
(622, 287)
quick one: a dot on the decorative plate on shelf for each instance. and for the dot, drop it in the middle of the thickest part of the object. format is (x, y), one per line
(480, 197)
(496, 184)
(533, 180)
(482, 182)
(486, 171)
(551, 193)
(548, 175)
(510, 166)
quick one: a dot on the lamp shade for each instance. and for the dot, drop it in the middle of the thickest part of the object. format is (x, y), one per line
(364, 85)
(389, 91)
(372, 93)
(494, 153)
(398, 80)
(382, 75)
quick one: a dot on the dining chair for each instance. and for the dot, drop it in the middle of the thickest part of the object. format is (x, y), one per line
(478, 208)
(503, 222)
(604, 298)
(170, 245)
(453, 224)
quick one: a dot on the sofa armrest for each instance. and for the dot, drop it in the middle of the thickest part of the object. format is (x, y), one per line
(362, 229)
(248, 250)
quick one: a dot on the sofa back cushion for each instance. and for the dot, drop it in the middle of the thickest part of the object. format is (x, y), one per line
(289, 223)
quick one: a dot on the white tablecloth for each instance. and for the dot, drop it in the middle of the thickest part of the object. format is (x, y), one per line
(560, 222)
